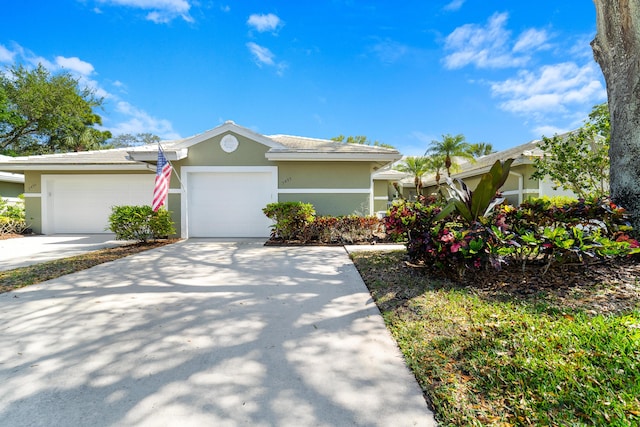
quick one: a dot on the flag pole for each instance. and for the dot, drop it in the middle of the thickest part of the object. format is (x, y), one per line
(171, 164)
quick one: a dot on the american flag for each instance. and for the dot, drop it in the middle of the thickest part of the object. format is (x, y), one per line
(163, 176)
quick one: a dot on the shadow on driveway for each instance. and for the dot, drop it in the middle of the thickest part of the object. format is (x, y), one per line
(205, 332)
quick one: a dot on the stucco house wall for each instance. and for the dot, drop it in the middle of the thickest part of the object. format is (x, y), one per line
(336, 178)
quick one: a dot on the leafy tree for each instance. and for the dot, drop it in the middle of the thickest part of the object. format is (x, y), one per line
(41, 112)
(481, 149)
(615, 49)
(449, 147)
(416, 166)
(130, 140)
(360, 139)
(579, 161)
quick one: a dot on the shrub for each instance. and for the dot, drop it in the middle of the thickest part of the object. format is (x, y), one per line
(577, 232)
(290, 218)
(343, 230)
(140, 223)
(404, 216)
(296, 221)
(12, 217)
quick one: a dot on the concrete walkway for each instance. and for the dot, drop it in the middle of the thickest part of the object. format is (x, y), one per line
(28, 250)
(205, 333)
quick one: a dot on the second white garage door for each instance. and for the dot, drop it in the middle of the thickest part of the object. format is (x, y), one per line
(82, 203)
(228, 202)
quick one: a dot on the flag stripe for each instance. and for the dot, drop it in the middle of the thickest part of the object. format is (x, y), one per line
(163, 178)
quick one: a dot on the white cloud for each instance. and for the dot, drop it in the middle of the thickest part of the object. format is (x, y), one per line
(553, 94)
(6, 55)
(490, 45)
(75, 64)
(262, 23)
(128, 118)
(262, 55)
(139, 121)
(160, 11)
(454, 5)
(550, 130)
(531, 39)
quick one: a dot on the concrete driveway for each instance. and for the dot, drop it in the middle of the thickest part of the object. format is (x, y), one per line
(30, 250)
(205, 333)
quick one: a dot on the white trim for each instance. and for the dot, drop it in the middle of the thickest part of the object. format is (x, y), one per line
(185, 171)
(175, 191)
(381, 198)
(324, 190)
(32, 195)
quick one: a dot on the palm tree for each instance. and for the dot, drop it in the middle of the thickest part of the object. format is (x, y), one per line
(481, 149)
(436, 164)
(451, 146)
(416, 166)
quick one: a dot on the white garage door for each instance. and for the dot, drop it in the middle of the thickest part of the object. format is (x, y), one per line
(229, 204)
(82, 203)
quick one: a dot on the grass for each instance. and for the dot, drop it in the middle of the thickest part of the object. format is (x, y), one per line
(25, 276)
(508, 361)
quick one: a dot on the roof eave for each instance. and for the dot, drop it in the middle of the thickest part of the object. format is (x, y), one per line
(151, 156)
(328, 157)
(64, 167)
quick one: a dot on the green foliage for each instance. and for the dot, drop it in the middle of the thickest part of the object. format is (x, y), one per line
(140, 223)
(579, 161)
(12, 217)
(45, 113)
(481, 149)
(472, 205)
(417, 166)
(289, 218)
(296, 222)
(534, 232)
(449, 148)
(342, 230)
(361, 139)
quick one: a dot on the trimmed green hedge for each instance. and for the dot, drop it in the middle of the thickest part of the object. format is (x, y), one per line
(140, 223)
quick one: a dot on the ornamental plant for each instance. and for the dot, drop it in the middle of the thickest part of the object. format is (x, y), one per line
(290, 218)
(140, 223)
(577, 232)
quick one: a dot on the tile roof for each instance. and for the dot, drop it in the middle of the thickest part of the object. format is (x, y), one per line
(303, 144)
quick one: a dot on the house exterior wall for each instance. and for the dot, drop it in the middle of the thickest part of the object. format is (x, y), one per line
(334, 188)
(383, 192)
(11, 189)
(33, 190)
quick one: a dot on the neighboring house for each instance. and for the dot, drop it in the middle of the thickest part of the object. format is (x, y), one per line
(11, 184)
(223, 178)
(384, 189)
(519, 185)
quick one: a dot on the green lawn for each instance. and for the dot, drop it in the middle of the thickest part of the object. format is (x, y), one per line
(485, 360)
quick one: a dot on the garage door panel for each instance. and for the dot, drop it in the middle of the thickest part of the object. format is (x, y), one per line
(82, 203)
(229, 204)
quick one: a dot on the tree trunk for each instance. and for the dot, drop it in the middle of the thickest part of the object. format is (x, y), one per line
(616, 48)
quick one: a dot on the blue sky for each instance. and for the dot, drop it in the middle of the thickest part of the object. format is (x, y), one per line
(403, 73)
